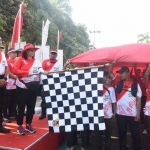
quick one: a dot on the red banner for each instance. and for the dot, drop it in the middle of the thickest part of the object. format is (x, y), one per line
(17, 26)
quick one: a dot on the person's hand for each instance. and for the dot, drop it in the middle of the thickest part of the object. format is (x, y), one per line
(15, 77)
(2, 82)
(113, 62)
(137, 117)
(30, 74)
(67, 62)
(45, 72)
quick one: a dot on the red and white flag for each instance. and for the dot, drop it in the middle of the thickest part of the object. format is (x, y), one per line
(60, 35)
(17, 26)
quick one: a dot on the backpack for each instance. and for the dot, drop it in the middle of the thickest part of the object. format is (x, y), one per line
(120, 87)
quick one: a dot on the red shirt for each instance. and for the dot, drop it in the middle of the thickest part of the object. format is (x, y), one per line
(48, 65)
(10, 65)
(22, 66)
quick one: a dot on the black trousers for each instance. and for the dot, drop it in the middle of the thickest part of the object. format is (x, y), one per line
(10, 103)
(2, 97)
(27, 98)
(147, 120)
(122, 122)
(143, 102)
(72, 139)
(108, 132)
(43, 103)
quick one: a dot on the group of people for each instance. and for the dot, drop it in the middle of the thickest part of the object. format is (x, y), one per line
(124, 98)
(19, 85)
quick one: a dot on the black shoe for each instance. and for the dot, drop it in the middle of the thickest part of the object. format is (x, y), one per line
(30, 129)
(21, 131)
(42, 116)
(4, 130)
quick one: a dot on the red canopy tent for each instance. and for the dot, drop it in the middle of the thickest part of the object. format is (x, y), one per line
(125, 54)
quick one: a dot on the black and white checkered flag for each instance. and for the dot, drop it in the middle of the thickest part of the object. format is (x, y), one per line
(74, 100)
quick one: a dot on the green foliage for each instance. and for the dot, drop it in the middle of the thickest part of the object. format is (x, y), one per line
(144, 38)
(75, 38)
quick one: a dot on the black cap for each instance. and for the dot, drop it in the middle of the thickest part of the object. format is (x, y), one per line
(123, 69)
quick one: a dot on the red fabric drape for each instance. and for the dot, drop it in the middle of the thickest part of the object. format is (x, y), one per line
(124, 54)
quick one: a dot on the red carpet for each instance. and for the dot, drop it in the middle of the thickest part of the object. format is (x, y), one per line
(41, 140)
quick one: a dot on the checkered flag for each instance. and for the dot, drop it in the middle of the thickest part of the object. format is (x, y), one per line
(74, 100)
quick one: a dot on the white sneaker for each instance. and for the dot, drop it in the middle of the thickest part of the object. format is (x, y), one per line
(71, 148)
(145, 131)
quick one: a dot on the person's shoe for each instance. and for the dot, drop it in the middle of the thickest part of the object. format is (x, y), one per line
(83, 148)
(145, 131)
(71, 148)
(42, 116)
(4, 130)
(21, 131)
(30, 129)
(7, 120)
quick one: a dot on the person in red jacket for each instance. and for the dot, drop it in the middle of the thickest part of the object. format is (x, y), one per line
(27, 68)
(50, 65)
(10, 97)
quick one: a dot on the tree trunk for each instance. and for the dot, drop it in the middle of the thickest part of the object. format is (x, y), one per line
(6, 48)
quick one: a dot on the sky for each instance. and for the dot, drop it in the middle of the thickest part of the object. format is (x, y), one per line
(119, 21)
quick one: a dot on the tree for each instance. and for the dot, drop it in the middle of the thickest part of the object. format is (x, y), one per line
(62, 5)
(144, 38)
(8, 12)
(75, 38)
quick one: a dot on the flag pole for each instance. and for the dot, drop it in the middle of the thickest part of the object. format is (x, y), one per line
(57, 41)
(42, 39)
(19, 24)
